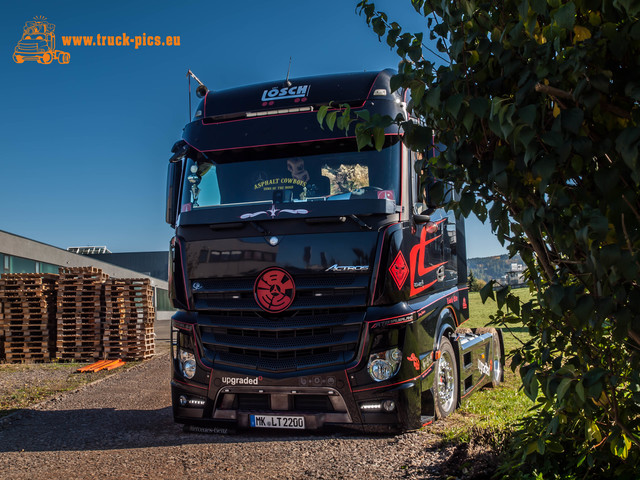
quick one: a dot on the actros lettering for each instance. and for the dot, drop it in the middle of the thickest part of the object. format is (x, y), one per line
(347, 268)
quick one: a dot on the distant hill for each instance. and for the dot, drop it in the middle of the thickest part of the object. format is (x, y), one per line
(488, 268)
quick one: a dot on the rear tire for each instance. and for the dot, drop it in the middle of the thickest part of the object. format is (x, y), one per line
(445, 385)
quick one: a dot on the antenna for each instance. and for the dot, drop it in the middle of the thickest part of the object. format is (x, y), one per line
(287, 82)
(201, 91)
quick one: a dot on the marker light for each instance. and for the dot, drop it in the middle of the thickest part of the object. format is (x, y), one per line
(281, 111)
(384, 365)
(187, 364)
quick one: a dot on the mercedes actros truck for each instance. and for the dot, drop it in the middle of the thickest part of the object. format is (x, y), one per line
(316, 286)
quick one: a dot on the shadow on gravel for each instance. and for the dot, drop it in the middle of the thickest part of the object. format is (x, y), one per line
(108, 429)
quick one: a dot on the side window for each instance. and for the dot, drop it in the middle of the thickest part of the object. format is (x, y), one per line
(417, 190)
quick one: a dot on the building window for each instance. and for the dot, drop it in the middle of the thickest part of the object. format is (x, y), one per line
(21, 265)
(48, 268)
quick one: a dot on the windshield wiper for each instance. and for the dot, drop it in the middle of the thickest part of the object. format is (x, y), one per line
(360, 222)
(259, 228)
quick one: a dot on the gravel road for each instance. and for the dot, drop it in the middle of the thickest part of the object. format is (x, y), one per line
(122, 428)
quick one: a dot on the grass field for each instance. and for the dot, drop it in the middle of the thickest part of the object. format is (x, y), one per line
(491, 413)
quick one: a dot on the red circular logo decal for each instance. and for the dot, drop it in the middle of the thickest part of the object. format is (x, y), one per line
(274, 290)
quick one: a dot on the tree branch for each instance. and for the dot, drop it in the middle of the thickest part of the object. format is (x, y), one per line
(553, 91)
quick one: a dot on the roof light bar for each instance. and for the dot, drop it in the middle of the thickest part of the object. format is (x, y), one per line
(279, 111)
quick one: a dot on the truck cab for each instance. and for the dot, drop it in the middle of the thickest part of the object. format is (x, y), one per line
(316, 286)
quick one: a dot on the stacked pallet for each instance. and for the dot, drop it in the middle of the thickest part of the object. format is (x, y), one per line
(27, 316)
(79, 313)
(129, 315)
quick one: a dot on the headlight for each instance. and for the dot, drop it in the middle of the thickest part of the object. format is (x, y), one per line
(187, 363)
(384, 365)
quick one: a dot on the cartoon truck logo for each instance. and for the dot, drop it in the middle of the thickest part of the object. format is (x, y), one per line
(38, 43)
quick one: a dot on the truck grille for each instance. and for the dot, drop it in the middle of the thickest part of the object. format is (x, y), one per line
(281, 345)
(322, 327)
(312, 292)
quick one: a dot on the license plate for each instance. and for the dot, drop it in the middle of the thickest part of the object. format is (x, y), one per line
(275, 421)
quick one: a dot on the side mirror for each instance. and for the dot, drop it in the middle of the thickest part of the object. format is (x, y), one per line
(420, 218)
(179, 150)
(174, 174)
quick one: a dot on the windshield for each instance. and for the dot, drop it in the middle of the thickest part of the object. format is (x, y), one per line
(341, 175)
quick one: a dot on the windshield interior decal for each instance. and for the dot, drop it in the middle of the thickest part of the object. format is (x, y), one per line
(274, 212)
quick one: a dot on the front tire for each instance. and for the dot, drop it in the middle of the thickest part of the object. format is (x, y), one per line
(445, 385)
(46, 58)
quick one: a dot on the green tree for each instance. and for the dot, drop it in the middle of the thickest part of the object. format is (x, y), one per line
(537, 102)
(475, 284)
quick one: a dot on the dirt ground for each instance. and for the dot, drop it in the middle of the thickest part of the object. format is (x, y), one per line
(121, 427)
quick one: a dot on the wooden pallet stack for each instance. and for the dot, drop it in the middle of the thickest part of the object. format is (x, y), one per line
(27, 316)
(79, 313)
(129, 316)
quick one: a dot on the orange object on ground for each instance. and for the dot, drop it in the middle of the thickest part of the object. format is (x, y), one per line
(102, 365)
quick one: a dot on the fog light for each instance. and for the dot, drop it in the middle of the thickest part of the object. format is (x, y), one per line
(187, 364)
(384, 365)
(183, 400)
(389, 405)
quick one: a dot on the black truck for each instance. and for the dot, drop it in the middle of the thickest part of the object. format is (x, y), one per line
(316, 287)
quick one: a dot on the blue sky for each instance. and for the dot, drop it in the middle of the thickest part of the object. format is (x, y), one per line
(85, 145)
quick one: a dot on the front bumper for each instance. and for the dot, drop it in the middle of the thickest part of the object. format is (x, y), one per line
(325, 401)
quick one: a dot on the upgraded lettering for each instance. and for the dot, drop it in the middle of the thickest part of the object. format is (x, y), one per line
(240, 381)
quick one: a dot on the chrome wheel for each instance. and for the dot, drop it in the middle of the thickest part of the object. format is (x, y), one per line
(446, 381)
(445, 385)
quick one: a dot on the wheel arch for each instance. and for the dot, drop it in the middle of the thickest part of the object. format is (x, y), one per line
(446, 325)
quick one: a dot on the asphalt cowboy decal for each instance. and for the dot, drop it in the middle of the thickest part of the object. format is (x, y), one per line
(277, 93)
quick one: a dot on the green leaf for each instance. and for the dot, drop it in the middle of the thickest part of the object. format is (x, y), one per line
(432, 97)
(627, 144)
(396, 82)
(378, 26)
(467, 201)
(417, 92)
(331, 119)
(453, 104)
(572, 119)
(563, 387)
(487, 291)
(322, 112)
(580, 391)
(479, 106)
(378, 137)
(565, 16)
(528, 114)
(363, 115)
(363, 138)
